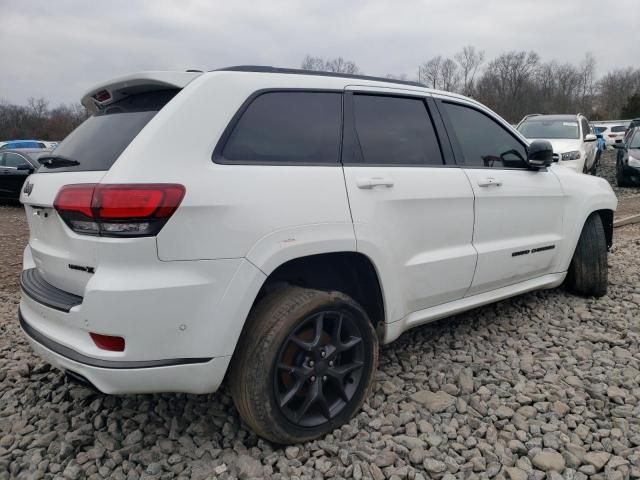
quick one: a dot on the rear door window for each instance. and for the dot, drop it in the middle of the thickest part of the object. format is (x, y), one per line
(395, 131)
(288, 127)
(98, 142)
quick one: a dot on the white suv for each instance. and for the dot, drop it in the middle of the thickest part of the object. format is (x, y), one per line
(572, 137)
(277, 225)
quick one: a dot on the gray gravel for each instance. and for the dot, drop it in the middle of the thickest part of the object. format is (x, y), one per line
(542, 386)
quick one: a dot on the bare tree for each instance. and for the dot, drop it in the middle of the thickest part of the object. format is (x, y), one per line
(449, 76)
(469, 59)
(615, 89)
(336, 65)
(429, 72)
(36, 120)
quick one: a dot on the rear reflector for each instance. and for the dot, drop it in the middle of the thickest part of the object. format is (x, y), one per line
(108, 342)
(127, 210)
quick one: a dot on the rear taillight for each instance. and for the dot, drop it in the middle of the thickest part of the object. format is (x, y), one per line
(134, 210)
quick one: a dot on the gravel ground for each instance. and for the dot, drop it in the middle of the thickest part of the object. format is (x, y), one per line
(545, 385)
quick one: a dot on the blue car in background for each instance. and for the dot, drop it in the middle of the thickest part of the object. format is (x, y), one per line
(13, 144)
(602, 143)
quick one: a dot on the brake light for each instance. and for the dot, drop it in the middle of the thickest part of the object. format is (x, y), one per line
(128, 210)
(108, 342)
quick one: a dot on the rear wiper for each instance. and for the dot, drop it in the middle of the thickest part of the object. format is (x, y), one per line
(55, 161)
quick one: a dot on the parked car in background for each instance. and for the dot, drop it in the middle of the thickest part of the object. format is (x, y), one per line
(574, 142)
(311, 217)
(15, 167)
(49, 144)
(615, 134)
(628, 159)
(13, 144)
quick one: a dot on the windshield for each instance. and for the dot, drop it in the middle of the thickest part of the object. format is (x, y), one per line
(549, 129)
(98, 142)
(635, 140)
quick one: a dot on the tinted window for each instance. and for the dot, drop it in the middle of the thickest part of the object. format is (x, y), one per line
(14, 160)
(618, 128)
(549, 129)
(288, 127)
(98, 141)
(585, 128)
(483, 141)
(395, 131)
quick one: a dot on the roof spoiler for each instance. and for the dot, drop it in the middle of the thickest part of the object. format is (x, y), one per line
(116, 89)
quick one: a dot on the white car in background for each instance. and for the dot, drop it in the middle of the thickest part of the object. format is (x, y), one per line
(573, 140)
(611, 132)
(615, 134)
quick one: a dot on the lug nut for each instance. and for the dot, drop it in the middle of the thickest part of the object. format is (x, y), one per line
(311, 363)
(313, 378)
(323, 354)
(324, 378)
(331, 363)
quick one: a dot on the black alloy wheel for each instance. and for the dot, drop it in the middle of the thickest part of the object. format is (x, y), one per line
(319, 368)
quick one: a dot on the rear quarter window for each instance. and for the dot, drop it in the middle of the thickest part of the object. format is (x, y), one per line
(285, 127)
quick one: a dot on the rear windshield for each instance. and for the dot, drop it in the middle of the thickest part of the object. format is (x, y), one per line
(549, 129)
(98, 142)
(600, 129)
(619, 128)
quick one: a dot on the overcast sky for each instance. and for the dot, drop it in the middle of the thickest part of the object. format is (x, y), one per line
(58, 49)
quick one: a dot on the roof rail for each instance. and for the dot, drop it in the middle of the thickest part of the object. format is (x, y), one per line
(297, 71)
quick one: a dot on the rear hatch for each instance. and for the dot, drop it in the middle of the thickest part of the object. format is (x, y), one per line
(64, 258)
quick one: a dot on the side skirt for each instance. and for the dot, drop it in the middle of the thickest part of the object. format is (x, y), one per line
(395, 329)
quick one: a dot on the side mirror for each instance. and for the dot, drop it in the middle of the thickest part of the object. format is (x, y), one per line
(619, 144)
(25, 167)
(590, 137)
(540, 154)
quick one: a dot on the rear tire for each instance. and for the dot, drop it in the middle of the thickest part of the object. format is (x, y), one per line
(621, 180)
(588, 271)
(303, 348)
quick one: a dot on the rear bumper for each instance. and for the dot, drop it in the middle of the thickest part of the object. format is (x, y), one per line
(180, 322)
(189, 375)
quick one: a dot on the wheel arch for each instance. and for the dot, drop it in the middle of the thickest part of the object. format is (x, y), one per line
(349, 272)
(606, 215)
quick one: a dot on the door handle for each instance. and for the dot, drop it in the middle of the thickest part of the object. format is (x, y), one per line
(489, 181)
(374, 182)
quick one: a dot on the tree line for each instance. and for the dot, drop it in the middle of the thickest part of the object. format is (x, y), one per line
(516, 83)
(37, 120)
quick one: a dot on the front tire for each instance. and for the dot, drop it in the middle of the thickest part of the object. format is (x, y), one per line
(588, 271)
(304, 364)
